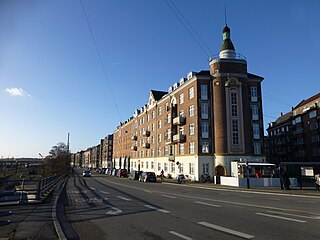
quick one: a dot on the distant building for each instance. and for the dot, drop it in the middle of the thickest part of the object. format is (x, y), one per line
(78, 159)
(295, 136)
(203, 123)
(106, 151)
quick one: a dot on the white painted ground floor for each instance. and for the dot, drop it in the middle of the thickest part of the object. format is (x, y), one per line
(191, 166)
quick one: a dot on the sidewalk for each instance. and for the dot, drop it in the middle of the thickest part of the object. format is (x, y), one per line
(307, 191)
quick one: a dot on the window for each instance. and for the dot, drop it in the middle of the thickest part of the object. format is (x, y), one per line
(160, 110)
(181, 149)
(204, 110)
(173, 167)
(152, 153)
(168, 134)
(152, 127)
(152, 139)
(256, 130)
(205, 130)
(181, 168)
(191, 129)
(254, 94)
(255, 112)
(191, 168)
(153, 114)
(181, 113)
(166, 151)
(152, 165)
(316, 151)
(235, 132)
(205, 168)
(135, 165)
(181, 98)
(159, 124)
(191, 148)
(205, 147)
(314, 126)
(312, 114)
(257, 148)
(159, 137)
(315, 138)
(181, 130)
(298, 120)
(148, 117)
(234, 104)
(166, 167)
(147, 165)
(204, 92)
(159, 151)
(169, 118)
(191, 110)
(142, 165)
(191, 93)
(159, 167)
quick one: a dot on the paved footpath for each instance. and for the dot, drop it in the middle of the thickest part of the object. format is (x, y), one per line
(31, 221)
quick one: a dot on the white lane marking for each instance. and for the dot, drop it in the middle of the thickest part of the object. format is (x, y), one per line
(168, 196)
(279, 217)
(208, 204)
(114, 211)
(295, 215)
(92, 188)
(227, 230)
(157, 209)
(147, 191)
(306, 202)
(104, 192)
(180, 235)
(274, 199)
(124, 198)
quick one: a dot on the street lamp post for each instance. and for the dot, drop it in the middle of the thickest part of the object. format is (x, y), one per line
(247, 173)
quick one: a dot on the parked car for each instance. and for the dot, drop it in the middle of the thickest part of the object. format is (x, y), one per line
(86, 173)
(181, 178)
(108, 171)
(148, 177)
(134, 175)
(122, 173)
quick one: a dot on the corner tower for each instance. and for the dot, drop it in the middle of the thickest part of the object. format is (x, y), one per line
(237, 108)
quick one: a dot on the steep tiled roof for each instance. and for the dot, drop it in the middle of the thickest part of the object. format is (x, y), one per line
(283, 118)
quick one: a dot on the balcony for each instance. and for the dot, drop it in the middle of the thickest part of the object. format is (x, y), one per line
(180, 120)
(179, 138)
(146, 133)
(146, 145)
(135, 138)
(171, 157)
(134, 148)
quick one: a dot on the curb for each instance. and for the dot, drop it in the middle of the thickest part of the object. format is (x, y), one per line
(55, 219)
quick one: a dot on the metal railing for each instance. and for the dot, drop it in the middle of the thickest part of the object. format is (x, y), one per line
(28, 191)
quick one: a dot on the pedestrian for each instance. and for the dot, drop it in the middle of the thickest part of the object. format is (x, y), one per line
(287, 182)
(317, 180)
(161, 175)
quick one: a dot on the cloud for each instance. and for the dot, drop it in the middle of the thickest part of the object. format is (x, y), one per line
(17, 92)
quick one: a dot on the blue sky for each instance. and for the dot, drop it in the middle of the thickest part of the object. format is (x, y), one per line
(52, 82)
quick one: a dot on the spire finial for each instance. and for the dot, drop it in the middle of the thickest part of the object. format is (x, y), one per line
(225, 12)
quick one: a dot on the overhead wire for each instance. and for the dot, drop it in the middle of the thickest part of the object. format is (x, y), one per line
(100, 58)
(192, 32)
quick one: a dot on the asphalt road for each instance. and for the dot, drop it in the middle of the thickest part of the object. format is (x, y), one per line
(104, 207)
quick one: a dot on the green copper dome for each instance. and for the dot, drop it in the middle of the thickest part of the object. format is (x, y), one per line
(227, 43)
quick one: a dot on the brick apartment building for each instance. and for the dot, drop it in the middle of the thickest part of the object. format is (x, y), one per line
(202, 124)
(106, 150)
(295, 136)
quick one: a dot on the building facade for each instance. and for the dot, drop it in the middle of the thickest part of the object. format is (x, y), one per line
(203, 123)
(295, 136)
(106, 151)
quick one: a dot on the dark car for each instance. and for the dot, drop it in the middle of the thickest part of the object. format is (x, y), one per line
(148, 177)
(134, 175)
(86, 173)
(181, 178)
(122, 173)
